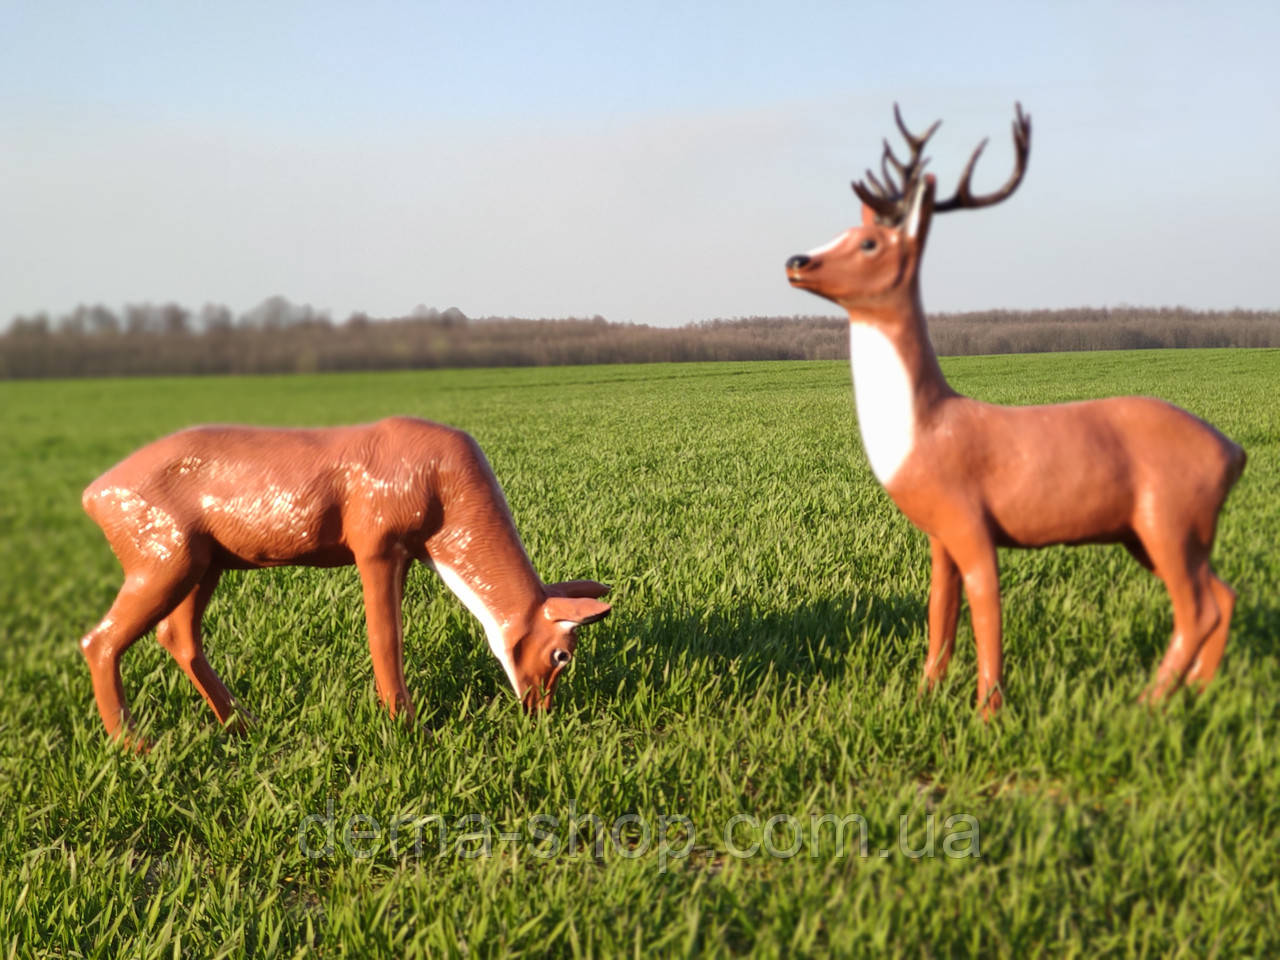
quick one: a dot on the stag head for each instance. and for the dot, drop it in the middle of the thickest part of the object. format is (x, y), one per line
(880, 258)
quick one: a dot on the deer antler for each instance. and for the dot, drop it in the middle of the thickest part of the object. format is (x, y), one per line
(963, 198)
(889, 199)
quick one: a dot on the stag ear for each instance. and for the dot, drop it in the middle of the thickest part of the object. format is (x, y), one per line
(919, 210)
(575, 588)
(575, 611)
(868, 216)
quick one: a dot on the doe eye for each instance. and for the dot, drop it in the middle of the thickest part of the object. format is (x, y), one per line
(868, 244)
(560, 657)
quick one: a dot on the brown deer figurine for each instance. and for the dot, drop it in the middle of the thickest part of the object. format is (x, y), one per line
(182, 510)
(974, 476)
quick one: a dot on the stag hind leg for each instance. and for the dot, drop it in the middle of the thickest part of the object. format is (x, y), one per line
(1209, 656)
(1178, 550)
(1197, 617)
(180, 634)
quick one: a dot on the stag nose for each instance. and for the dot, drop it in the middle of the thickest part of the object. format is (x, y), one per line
(798, 262)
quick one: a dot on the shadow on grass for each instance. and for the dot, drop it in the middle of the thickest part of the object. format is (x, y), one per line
(1255, 628)
(808, 643)
(668, 648)
(817, 641)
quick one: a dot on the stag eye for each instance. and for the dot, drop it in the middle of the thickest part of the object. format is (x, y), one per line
(560, 657)
(868, 245)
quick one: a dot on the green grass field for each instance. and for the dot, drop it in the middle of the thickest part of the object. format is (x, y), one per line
(759, 671)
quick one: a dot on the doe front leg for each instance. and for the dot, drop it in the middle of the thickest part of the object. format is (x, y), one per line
(382, 578)
(944, 614)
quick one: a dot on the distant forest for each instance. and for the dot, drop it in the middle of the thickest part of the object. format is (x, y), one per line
(281, 337)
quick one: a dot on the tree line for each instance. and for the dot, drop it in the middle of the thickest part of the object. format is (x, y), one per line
(278, 336)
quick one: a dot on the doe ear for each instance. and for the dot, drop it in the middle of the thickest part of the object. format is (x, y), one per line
(575, 610)
(920, 210)
(575, 588)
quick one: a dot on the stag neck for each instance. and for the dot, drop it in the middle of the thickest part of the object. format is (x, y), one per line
(901, 321)
(897, 384)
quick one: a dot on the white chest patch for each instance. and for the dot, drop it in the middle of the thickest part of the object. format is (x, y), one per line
(488, 619)
(883, 395)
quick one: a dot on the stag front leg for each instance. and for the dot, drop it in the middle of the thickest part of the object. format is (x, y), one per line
(382, 577)
(975, 554)
(944, 614)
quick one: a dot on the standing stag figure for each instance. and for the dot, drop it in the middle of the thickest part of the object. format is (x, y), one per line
(182, 510)
(974, 476)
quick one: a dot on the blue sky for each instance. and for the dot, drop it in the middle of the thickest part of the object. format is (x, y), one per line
(654, 163)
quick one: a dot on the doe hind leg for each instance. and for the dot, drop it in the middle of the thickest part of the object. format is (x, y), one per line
(180, 634)
(143, 600)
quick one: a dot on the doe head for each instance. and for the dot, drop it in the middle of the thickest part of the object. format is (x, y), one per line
(542, 654)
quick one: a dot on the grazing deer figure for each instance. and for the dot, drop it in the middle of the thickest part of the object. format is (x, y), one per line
(974, 476)
(182, 510)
